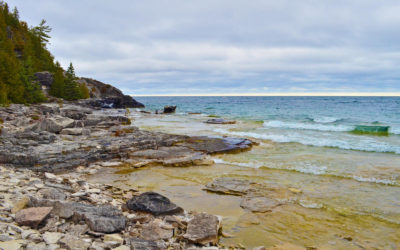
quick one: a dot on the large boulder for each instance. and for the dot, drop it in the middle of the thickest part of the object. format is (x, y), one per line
(104, 219)
(54, 124)
(45, 78)
(154, 203)
(33, 216)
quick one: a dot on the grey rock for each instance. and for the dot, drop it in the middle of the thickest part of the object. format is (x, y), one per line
(226, 185)
(259, 204)
(53, 124)
(52, 194)
(141, 244)
(32, 216)
(72, 242)
(169, 109)
(203, 229)
(45, 78)
(155, 230)
(153, 203)
(219, 121)
(104, 219)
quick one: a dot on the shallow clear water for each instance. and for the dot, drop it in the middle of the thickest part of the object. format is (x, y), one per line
(350, 183)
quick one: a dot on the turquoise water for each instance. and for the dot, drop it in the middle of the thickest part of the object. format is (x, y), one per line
(313, 121)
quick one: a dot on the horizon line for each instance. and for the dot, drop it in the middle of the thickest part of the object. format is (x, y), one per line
(338, 94)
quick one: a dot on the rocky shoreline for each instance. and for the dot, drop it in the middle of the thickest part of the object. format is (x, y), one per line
(41, 210)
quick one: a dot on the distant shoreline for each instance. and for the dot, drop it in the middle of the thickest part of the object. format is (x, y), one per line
(283, 95)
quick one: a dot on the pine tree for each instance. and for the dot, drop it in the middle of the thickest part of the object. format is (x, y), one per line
(42, 32)
(71, 91)
(58, 85)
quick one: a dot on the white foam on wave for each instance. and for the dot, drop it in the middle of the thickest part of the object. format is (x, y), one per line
(325, 119)
(307, 168)
(307, 126)
(375, 180)
(310, 204)
(360, 143)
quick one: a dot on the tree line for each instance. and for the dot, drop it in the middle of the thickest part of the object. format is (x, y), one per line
(23, 52)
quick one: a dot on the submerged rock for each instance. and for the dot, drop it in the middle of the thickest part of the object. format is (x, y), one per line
(226, 185)
(153, 203)
(259, 204)
(219, 121)
(203, 229)
(216, 145)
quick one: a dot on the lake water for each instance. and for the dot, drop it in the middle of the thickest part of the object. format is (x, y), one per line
(349, 182)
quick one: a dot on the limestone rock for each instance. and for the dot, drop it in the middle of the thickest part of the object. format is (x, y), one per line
(20, 204)
(153, 203)
(114, 238)
(53, 124)
(155, 230)
(32, 216)
(203, 229)
(72, 242)
(141, 244)
(52, 194)
(259, 204)
(226, 185)
(51, 237)
(11, 245)
(219, 121)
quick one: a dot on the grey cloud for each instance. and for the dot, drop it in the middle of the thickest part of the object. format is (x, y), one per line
(161, 47)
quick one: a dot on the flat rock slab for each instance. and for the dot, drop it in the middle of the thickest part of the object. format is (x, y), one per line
(141, 244)
(203, 229)
(154, 203)
(259, 204)
(216, 145)
(104, 219)
(33, 216)
(226, 185)
(219, 121)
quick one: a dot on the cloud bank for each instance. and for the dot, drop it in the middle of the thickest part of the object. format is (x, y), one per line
(227, 46)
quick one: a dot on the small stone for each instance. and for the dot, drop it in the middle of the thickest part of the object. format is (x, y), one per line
(78, 194)
(123, 247)
(113, 237)
(38, 246)
(39, 185)
(94, 190)
(5, 237)
(11, 245)
(51, 237)
(50, 176)
(20, 204)
(295, 190)
(74, 243)
(32, 216)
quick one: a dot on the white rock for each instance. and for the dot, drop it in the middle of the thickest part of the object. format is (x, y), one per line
(51, 237)
(50, 176)
(114, 238)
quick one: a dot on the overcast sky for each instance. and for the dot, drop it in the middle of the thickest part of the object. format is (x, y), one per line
(226, 46)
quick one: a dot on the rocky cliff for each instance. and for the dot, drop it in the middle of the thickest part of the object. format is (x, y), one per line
(102, 95)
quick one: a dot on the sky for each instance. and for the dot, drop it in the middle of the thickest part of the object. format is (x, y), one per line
(227, 47)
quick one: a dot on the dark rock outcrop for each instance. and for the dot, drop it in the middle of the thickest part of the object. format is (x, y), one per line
(154, 203)
(169, 109)
(45, 78)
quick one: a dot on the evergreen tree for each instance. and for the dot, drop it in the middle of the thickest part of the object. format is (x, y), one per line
(42, 32)
(71, 91)
(58, 85)
(84, 91)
